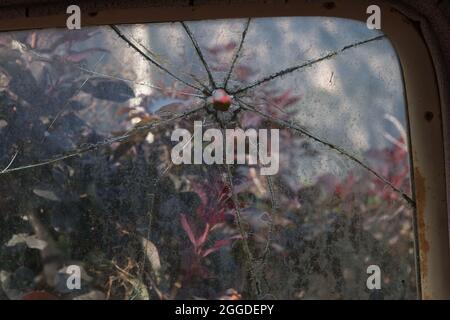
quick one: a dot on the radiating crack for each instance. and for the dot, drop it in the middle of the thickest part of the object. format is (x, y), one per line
(199, 53)
(194, 77)
(151, 60)
(140, 83)
(304, 65)
(10, 163)
(166, 62)
(236, 55)
(93, 146)
(107, 76)
(293, 126)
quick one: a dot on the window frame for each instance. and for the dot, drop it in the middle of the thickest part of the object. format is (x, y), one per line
(421, 93)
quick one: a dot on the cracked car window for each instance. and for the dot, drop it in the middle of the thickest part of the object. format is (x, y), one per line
(320, 192)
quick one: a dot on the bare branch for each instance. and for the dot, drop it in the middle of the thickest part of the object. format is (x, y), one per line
(271, 225)
(93, 146)
(236, 55)
(148, 58)
(293, 126)
(145, 243)
(272, 213)
(304, 65)
(200, 54)
(253, 278)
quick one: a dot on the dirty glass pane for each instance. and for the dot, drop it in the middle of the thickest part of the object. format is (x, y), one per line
(91, 185)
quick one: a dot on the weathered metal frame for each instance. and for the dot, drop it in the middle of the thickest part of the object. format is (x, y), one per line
(421, 92)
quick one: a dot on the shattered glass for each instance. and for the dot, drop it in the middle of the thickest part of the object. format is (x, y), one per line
(86, 119)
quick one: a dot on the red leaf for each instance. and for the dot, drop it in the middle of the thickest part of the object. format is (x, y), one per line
(39, 295)
(75, 56)
(221, 48)
(188, 229)
(5, 41)
(285, 99)
(220, 244)
(203, 237)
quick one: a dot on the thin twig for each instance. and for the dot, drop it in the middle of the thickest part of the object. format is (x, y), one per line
(148, 58)
(304, 65)
(171, 165)
(271, 226)
(89, 147)
(199, 53)
(236, 55)
(293, 126)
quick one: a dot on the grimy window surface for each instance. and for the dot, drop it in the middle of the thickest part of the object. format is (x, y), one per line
(87, 179)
